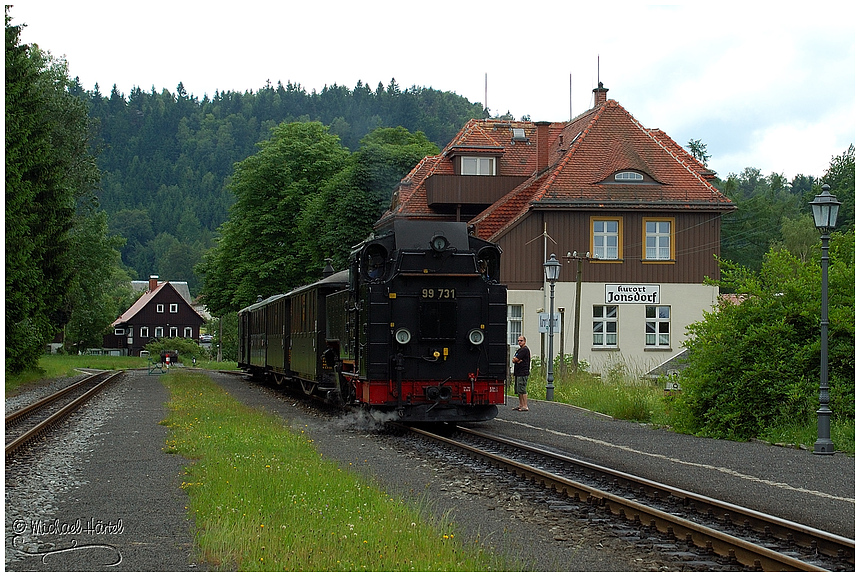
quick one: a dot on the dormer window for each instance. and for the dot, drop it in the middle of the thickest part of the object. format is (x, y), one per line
(629, 176)
(477, 166)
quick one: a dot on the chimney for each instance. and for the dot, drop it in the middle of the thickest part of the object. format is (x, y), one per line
(600, 95)
(153, 282)
(542, 145)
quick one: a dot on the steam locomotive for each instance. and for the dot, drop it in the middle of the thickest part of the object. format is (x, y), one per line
(416, 327)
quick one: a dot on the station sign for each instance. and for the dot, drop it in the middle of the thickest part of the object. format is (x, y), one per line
(543, 321)
(634, 294)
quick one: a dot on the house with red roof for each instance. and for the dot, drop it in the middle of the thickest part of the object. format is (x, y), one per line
(633, 218)
(160, 312)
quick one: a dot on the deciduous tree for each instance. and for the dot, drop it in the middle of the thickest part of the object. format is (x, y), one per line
(754, 361)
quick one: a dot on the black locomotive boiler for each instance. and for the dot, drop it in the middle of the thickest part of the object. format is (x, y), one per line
(416, 326)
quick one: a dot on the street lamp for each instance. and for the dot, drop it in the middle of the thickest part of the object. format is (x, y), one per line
(824, 210)
(552, 268)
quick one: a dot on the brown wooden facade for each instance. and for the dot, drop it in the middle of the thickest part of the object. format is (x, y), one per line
(695, 243)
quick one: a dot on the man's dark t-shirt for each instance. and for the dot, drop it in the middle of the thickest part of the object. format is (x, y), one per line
(523, 368)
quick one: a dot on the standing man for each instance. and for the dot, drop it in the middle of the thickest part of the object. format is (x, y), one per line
(522, 366)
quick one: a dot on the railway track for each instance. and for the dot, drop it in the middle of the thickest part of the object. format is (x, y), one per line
(32, 421)
(749, 538)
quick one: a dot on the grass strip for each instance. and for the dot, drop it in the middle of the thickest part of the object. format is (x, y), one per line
(58, 366)
(263, 499)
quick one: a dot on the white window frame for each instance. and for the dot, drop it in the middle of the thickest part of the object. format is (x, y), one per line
(658, 326)
(187, 332)
(119, 332)
(515, 323)
(159, 308)
(478, 165)
(144, 332)
(174, 332)
(658, 245)
(629, 176)
(174, 307)
(604, 327)
(601, 240)
(159, 332)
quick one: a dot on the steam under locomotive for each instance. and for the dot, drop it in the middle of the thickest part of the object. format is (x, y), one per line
(416, 326)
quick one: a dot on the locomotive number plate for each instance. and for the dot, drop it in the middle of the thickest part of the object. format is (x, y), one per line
(438, 293)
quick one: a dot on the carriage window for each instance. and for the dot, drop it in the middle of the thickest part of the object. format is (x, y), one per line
(488, 264)
(373, 261)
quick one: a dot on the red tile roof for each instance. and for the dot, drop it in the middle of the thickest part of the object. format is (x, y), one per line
(581, 156)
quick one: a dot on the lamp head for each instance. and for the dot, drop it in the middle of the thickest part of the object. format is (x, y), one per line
(552, 268)
(825, 207)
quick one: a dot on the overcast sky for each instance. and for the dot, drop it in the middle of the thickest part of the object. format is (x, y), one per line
(770, 87)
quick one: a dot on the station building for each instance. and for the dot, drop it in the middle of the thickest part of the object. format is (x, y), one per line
(632, 217)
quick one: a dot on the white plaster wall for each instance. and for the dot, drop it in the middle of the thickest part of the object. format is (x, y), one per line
(687, 302)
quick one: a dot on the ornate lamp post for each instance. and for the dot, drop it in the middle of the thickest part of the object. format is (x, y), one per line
(552, 268)
(824, 210)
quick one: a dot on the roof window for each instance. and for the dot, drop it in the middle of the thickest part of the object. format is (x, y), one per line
(629, 176)
(519, 135)
(477, 166)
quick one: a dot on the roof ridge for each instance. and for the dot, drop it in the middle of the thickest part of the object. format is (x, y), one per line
(561, 164)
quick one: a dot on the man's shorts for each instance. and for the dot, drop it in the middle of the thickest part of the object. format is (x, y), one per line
(520, 385)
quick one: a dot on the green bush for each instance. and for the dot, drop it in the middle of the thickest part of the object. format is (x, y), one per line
(756, 363)
(186, 348)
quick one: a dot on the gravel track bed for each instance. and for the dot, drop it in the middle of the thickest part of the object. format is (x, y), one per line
(29, 394)
(106, 465)
(100, 494)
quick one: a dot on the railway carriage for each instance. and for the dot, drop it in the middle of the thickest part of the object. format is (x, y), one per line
(416, 326)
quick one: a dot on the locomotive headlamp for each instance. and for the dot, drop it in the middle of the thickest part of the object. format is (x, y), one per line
(402, 336)
(476, 336)
(439, 243)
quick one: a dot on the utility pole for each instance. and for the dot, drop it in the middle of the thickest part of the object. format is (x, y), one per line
(561, 365)
(577, 305)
